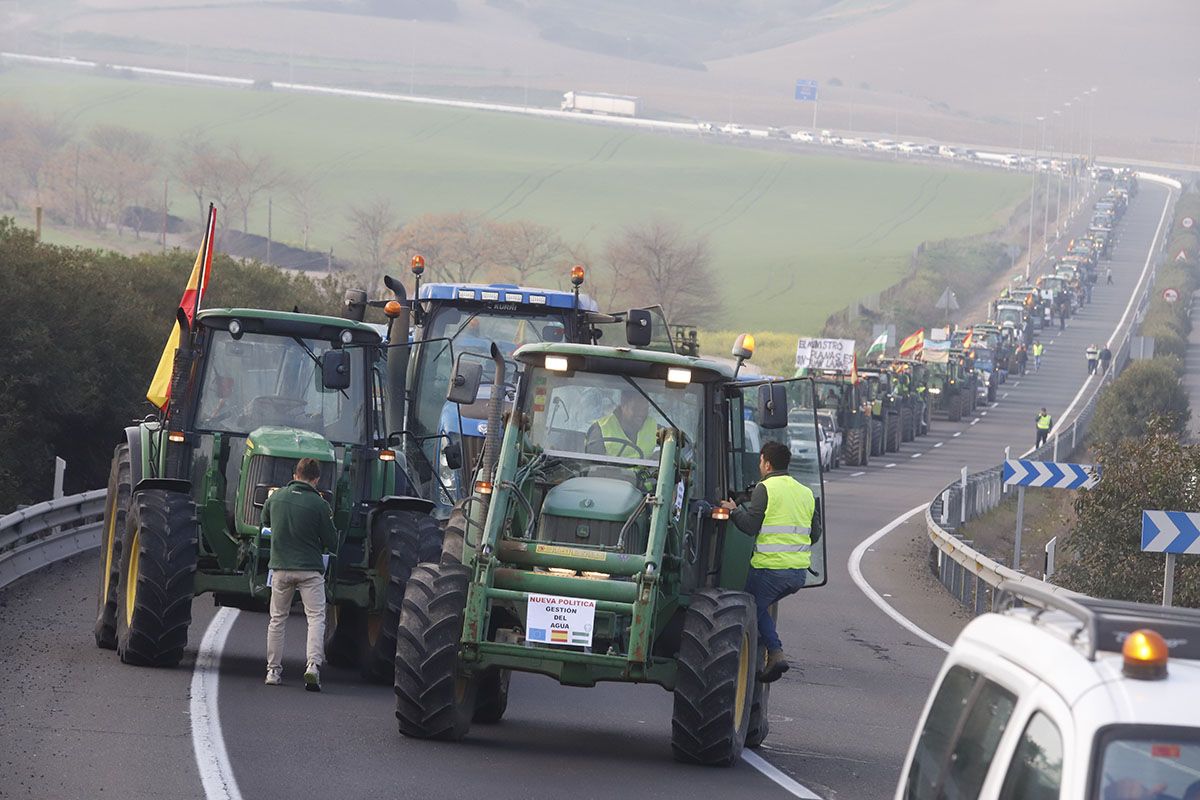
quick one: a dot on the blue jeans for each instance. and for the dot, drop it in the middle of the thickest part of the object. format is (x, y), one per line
(769, 586)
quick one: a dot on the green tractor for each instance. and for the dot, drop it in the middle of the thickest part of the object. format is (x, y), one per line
(252, 392)
(885, 410)
(586, 559)
(838, 392)
(951, 389)
(908, 378)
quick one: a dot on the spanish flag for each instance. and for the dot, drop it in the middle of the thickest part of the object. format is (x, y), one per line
(968, 340)
(160, 386)
(912, 345)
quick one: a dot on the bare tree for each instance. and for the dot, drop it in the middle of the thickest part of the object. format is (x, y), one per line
(29, 143)
(659, 264)
(374, 226)
(113, 168)
(523, 249)
(303, 202)
(252, 175)
(457, 246)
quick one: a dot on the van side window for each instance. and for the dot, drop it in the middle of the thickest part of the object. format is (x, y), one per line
(1036, 769)
(967, 718)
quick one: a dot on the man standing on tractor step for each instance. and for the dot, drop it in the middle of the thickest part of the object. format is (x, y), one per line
(780, 517)
(301, 524)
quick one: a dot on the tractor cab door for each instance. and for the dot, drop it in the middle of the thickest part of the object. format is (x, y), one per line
(785, 412)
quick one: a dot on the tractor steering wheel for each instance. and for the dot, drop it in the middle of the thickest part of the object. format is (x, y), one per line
(624, 443)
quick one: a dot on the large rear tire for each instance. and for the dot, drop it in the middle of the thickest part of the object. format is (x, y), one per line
(158, 572)
(112, 534)
(877, 443)
(434, 698)
(954, 407)
(399, 541)
(718, 653)
(853, 448)
(760, 723)
(892, 442)
(908, 427)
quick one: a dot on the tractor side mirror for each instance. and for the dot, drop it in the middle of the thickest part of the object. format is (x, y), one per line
(772, 406)
(464, 383)
(453, 455)
(335, 369)
(638, 327)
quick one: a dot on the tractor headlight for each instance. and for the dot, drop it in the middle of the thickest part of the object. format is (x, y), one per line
(347, 336)
(235, 328)
(934, 390)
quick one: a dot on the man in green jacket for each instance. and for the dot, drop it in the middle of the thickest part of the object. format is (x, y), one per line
(301, 524)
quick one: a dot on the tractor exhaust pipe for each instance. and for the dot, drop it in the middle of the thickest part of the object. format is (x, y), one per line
(397, 358)
(491, 440)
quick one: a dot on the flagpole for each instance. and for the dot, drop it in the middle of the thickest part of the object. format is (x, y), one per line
(202, 284)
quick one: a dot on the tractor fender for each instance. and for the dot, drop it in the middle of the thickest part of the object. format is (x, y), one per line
(400, 503)
(166, 484)
(133, 438)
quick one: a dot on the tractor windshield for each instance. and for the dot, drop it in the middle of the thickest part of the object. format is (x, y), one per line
(274, 380)
(598, 417)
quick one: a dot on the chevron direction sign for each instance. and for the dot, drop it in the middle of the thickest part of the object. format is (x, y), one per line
(1050, 474)
(1170, 532)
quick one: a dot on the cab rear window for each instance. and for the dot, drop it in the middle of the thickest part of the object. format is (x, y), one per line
(966, 720)
(1140, 762)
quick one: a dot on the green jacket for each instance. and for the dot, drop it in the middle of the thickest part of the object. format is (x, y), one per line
(301, 524)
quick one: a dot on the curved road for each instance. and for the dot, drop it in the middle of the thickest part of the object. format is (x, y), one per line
(74, 723)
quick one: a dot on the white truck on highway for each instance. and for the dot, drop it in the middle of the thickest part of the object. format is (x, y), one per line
(615, 105)
(1067, 698)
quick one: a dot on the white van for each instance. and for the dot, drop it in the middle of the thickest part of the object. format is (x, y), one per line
(1080, 698)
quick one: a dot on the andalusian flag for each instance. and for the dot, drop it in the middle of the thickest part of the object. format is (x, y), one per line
(878, 346)
(912, 345)
(854, 370)
(160, 386)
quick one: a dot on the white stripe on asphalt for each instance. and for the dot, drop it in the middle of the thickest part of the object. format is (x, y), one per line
(915, 455)
(1015, 384)
(975, 421)
(983, 413)
(957, 434)
(888, 466)
(780, 778)
(939, 444)
(856, 474)
(855, 567)
(212, 760)
(1005, 395)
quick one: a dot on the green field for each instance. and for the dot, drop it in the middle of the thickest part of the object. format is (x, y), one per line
(794, 235)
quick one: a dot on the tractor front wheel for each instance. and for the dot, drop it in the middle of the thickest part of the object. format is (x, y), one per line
(158, 570)
(116, 508)
(718, 653)
(399, 541)
(435, 699)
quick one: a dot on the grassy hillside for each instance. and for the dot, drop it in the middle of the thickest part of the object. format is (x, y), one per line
(795, 235)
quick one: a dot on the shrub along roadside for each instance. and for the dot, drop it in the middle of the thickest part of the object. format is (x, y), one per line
(84, 331)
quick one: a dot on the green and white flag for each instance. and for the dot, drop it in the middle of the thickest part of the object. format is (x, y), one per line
(878, 346)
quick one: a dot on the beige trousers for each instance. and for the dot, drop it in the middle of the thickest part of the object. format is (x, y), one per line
(284, 584)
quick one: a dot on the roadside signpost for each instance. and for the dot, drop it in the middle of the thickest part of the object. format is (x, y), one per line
(1173, 533)
(1170, 295)
(1022, 472)
(806, 91)
(1188, 222)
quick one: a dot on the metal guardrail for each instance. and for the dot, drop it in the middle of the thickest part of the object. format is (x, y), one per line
(47, 532)
(970, 576)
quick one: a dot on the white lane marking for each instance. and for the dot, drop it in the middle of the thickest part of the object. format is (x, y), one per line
(888, 466)
(993, 405)
(915, 455)
(1129, 307)
(1015, 385)
(939, 444)
(856, 474)
(780, 778)
(1005, 395)
(957, 435)
(855, 567)
(983, 413)
(975, 421)
(208, 743)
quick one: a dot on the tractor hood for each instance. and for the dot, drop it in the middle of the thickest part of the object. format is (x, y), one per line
(268, 462)
(292, 443)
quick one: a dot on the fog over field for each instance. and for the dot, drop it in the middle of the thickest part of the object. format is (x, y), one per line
(971, 72)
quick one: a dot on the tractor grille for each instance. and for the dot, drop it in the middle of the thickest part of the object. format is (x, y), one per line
(590, 533)
(265, 472)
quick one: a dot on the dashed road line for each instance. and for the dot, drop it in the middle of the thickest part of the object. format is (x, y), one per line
(958, 434)
(856, 474)
(888, 466)
(916, 455)
(939, 444)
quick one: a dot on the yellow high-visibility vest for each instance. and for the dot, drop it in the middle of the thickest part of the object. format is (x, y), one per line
(785, 539)
(645, 441)
(1043, 422)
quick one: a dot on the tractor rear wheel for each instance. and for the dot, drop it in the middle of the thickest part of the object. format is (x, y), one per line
(158, 570)
(876, 437)
(491, 699)
(718, 653)
(344, 624)
(116, 508)
(852, 448)
(908, 428)
(954, 407)
(760, 724)
(892, 442)
(399, 541)
(434, 698)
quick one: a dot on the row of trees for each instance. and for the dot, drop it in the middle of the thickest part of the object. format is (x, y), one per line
(112, 177)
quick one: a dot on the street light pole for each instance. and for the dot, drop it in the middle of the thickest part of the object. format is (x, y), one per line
(1048, 142)
(1032, 199)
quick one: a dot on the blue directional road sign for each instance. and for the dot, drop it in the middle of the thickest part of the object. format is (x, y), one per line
(806, 90)
(1050, 474)
(1171, 532)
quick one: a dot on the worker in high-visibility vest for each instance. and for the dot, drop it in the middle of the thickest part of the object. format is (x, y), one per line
(1038, 347)
(1092, 353)
(628, 432)
(1044, 423)
(780, 518)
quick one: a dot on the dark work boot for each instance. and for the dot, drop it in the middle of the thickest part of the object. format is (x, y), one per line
(776, 665)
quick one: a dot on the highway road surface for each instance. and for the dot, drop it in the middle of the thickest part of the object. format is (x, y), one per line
(76, 723)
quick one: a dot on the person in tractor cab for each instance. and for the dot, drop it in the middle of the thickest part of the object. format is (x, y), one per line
(780, 517)
(628, 432)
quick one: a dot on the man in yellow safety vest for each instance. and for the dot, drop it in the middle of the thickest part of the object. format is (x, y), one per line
(1038, 347)
(628, 432)
(1044, 423)
(780, 518)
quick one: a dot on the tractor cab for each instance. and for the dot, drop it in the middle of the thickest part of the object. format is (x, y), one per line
(839, 392)
(594, 547)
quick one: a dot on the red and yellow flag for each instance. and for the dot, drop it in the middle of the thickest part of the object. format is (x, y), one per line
(160, 386)
(913, 344)
(854, 369)
(968, 340)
